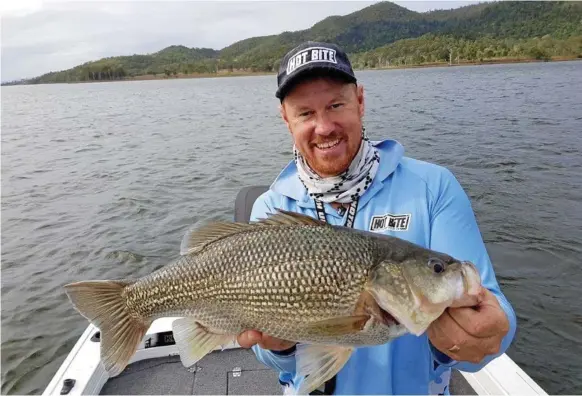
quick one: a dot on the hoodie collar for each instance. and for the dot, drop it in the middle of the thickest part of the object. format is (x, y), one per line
(289, 185)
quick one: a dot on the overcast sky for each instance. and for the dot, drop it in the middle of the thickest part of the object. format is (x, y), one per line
(42, 36)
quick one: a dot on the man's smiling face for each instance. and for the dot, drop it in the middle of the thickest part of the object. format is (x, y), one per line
(324, 117)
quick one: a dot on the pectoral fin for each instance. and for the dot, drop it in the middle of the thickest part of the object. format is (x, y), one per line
(340, 326)
(319, 363)
(194, 341)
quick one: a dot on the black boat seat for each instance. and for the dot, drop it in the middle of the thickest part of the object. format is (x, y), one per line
(243, 204)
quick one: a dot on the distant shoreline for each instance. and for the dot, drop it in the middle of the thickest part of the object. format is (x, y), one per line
(178, 76)
(493, 61)
(222, 73)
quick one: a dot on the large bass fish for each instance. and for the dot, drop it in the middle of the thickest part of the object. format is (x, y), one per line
(329, 288)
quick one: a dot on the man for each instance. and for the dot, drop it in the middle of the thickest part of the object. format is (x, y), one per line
(336, 173)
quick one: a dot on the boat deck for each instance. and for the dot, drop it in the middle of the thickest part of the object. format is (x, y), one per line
(230, 372)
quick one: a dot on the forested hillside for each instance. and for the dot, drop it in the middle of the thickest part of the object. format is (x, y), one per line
(381, 35)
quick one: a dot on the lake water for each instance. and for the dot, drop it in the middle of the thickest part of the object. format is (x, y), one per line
(100, 181)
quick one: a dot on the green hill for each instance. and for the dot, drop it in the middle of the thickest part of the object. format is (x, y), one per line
(513, 19)
(379, 35)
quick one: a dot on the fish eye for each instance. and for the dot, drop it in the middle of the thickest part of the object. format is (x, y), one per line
(437, 265)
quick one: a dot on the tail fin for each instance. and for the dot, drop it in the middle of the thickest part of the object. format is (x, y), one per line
(103, 305)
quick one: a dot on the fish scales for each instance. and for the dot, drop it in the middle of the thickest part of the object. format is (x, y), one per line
(307, 274)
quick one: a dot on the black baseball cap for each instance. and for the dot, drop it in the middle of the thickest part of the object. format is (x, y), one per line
(312, 59)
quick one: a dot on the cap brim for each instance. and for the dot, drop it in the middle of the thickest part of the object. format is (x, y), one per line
(312, 72)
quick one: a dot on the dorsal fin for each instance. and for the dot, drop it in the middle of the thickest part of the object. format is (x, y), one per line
(284, 217)
(196, 239)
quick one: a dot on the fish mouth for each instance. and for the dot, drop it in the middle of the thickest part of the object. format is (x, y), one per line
(387, 318)
(469, 292)
(471, 278)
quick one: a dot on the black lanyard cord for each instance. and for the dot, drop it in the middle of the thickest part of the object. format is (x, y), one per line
(351, 212)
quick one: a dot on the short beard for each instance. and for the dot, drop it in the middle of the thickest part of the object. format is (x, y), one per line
(334, 169)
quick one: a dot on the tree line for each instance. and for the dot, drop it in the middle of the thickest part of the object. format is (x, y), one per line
(434, 49)
(427, 49)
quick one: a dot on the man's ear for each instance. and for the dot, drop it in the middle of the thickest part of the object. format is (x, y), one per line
(360, 96)
(284, 116)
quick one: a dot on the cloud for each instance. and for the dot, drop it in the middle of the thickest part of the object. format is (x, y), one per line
(50, 36)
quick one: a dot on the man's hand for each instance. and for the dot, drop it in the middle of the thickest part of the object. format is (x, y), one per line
(470, 333)
(251, 337)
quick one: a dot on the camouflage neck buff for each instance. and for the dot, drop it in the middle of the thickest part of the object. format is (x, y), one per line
(347, 186)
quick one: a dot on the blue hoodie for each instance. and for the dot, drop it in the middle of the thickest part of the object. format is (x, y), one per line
(428, 207)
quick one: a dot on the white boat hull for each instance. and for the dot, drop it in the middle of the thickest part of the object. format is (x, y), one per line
(502, 376)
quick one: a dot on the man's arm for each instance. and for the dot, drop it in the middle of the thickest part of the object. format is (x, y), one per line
(479, 334)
